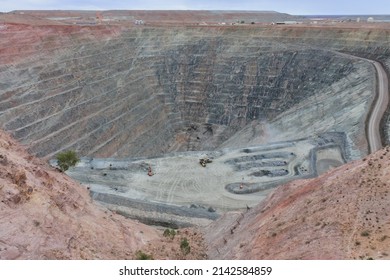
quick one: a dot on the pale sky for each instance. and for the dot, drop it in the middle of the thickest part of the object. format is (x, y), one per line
(296, 7)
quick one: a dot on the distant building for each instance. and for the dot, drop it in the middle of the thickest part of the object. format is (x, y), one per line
(287, 22)
(139, 22)
(370, 19)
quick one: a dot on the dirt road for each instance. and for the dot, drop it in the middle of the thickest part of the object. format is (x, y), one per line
(379, 105)
(379, 108)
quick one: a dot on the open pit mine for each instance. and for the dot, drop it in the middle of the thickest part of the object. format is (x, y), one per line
(176, 124)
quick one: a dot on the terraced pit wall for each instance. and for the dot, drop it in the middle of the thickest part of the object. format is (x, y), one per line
(120, 92)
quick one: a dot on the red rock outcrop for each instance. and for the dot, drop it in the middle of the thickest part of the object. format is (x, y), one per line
(343, 214)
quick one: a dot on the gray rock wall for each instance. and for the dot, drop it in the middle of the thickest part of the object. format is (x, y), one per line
(142, 91)
(385, 123)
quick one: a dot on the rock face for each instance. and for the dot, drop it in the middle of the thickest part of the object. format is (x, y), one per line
(339, 215)
(46, 215)
(110, 91)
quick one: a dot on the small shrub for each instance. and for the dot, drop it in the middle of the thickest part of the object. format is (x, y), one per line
(185, 246)
(365, 233)
(169, 233)
(139, 255)
(67, 159)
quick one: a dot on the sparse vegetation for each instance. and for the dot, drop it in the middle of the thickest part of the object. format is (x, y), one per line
(67, 159)
(170, 233)
(139, 255)
(185, 246)
(365, 233)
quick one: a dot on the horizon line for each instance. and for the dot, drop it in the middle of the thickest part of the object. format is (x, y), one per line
(188, 10)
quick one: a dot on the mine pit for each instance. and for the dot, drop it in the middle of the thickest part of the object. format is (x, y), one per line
(142, 106)
(232, 179)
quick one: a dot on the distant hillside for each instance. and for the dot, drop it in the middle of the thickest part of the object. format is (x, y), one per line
(166, 16)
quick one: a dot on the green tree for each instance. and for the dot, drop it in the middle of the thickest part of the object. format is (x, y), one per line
(67, 159)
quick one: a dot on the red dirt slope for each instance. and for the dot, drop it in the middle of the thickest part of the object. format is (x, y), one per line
(343, 214)
(45, 215)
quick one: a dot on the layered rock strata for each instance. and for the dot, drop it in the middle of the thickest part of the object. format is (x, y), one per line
(104, 91)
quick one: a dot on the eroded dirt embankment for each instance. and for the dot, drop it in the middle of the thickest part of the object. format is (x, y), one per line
(46, 215)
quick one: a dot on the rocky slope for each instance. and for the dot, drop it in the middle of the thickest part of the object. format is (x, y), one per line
(342, 214)
(46, 215)
(139, 91)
